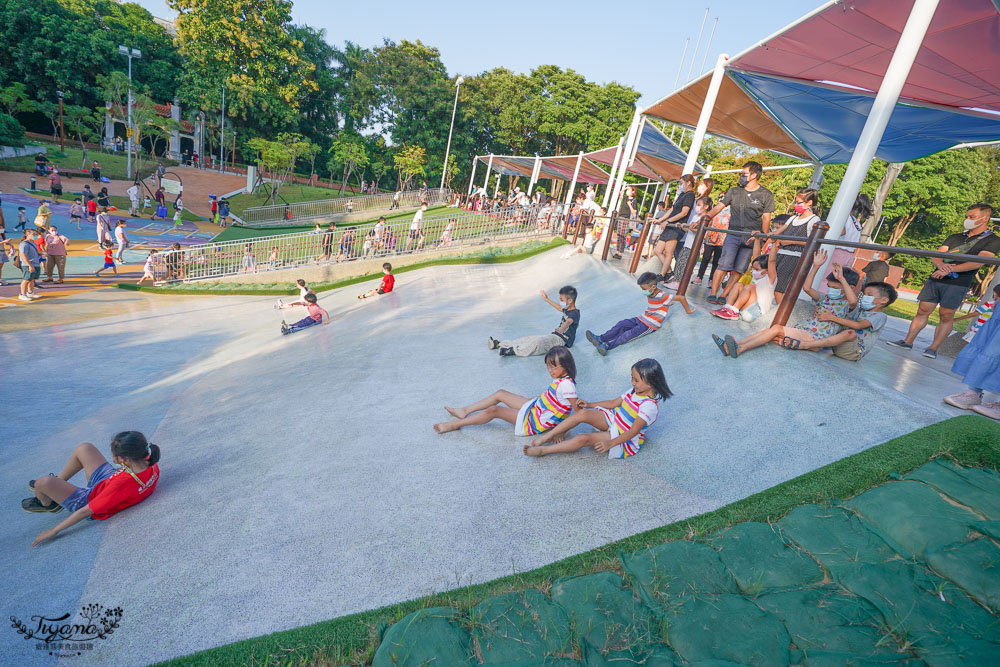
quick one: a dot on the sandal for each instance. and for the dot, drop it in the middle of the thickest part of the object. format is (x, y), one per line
(789, 343)
(734, 349)
(721, 343)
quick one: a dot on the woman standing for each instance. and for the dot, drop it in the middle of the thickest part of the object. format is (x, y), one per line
(979, 365)
(55, 249)
(789, 252)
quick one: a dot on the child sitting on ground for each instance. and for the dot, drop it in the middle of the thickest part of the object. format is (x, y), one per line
(315, 316)
(621, 422)
(564, 334)
(750, 301)
(861, 326)
(838, 301)
(304, 290)
(388, 282)
(635, 327)
(529, 416)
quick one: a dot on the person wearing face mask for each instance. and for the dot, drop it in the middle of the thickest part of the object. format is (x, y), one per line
(683, 205)
(750, 206)
(564, 334)
(861, 326)
(950, 281)
(877, 270)
(789, 252)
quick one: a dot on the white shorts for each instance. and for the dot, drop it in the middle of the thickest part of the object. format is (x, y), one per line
(589, 242)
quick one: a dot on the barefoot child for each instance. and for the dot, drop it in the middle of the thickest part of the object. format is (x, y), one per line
(650, 321)
(303, 291)
(564, 334)
(529, 416)
(838, 301)
(388, 282)
(315, 316)
(621, 422)
(108, 490)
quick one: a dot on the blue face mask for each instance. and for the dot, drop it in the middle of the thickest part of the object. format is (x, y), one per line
(834, 292)
(647, 292)
(867, 302)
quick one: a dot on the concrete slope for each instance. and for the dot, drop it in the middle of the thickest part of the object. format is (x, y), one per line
(301, 479)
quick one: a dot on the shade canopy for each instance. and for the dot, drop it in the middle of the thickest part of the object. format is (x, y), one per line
(806, 90)
(558, 168)
(656, 157)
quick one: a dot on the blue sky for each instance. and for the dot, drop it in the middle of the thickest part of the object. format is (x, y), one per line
(582, 35)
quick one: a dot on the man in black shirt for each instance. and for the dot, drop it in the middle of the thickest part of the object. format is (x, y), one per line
(750, 208)
(949, 283)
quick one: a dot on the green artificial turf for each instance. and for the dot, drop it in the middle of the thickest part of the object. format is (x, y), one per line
(291, 193)
(484, 256)
(237, 232)
(113, 165)
(970, 440)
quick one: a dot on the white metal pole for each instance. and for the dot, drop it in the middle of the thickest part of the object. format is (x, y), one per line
(472, 176)
(611, 174)
(708, 47)
(454, 108)
(697, 45)
(534, 174)
(628, 151)
(222, 135)
(817, 177)
(706, 113)
(572, 184)
(489, 168)
(131, 132)
(878, 118)
(680, 65)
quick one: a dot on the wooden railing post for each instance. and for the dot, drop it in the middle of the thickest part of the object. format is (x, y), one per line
(612, 223)
(699, 238)
(799, 275)
(640, 245)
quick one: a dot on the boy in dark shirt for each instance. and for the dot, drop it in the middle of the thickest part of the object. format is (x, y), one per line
(564, 334)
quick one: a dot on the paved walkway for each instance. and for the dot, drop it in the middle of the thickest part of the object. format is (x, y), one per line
(301, 477)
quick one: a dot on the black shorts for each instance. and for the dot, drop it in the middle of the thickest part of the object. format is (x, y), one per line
(381, 291)
(415, 234)
(56, 189)
(672, 234)
(946, 295)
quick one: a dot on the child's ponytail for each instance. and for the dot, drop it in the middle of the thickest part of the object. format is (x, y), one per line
(133, 445)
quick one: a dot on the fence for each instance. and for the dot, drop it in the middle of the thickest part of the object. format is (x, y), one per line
(347, 243)
(294, 214)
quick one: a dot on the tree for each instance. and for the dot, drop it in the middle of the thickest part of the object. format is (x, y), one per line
(86, 124)
(410, 162)
(350, 154)
(51, 111)
(11, 132)
(451, 170)
(248, 47)
(277, 158)
(378, 169)
(14, 99)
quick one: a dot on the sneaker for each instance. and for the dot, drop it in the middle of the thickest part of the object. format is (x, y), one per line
(930, 353)
(726, 313)
(32, 295)
(31, 483)
(23, 297)
(279, 304)
(506, 352)
(34, 505)
(967, 400)
(492, 344)
(673, 285)
(900, 344)
(284, 329)
(696, 281)
(602, 350)
(717, 300)
(991, 410)
(594, 339)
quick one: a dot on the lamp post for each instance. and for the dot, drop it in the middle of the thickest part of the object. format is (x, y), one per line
(129, 53)
(458, 84)
(222, 130)
(62, 133)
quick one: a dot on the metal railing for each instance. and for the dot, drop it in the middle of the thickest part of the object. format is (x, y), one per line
(295, 214)
(346, 243)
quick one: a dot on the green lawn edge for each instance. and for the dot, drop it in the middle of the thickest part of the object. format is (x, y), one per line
(968, 439)
(324, 287)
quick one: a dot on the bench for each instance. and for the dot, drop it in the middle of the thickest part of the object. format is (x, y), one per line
(70, 173)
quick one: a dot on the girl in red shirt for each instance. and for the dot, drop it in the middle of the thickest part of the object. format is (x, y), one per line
(108, 489)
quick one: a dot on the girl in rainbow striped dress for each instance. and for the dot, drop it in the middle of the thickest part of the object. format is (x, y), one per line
(621, 422)
(530, 416)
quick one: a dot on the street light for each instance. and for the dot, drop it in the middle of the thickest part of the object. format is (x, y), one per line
(458, 84)
(62, 146)
(129, 53)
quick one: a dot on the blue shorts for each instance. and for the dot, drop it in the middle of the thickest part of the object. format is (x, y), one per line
(751, 312)
(735, 256)
(109, 265)
(81, 496)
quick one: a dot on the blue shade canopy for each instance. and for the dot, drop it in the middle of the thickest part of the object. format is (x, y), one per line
(827, 121)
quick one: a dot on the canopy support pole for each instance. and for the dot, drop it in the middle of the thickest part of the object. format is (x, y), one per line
(572, 184)
(645, 193)
(534, 174)
(628, 150)
(706, 114)
(817, 177)
(652, 206)
(611, 174)
(489, 168)
(878, 118)
(472, 178)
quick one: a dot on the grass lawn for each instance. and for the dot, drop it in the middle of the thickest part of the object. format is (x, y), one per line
(969, 440)
(113, 165)
(292, 193)
(119, 202)
(907, 309)
(236, 232)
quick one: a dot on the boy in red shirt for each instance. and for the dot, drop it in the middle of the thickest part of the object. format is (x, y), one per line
(315, 316)
(388, 282)
(92, 210)
(109, 260)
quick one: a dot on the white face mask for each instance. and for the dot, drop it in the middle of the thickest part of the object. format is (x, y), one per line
(971, 224)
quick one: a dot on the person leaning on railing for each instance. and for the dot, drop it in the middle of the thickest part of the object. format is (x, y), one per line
(948, 285)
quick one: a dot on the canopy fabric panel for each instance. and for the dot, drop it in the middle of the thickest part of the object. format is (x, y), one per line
(852, 43)
(559, 168)
(656, 156)
(828, 121)
(736, 116)
(566, 164)
(510, 165)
